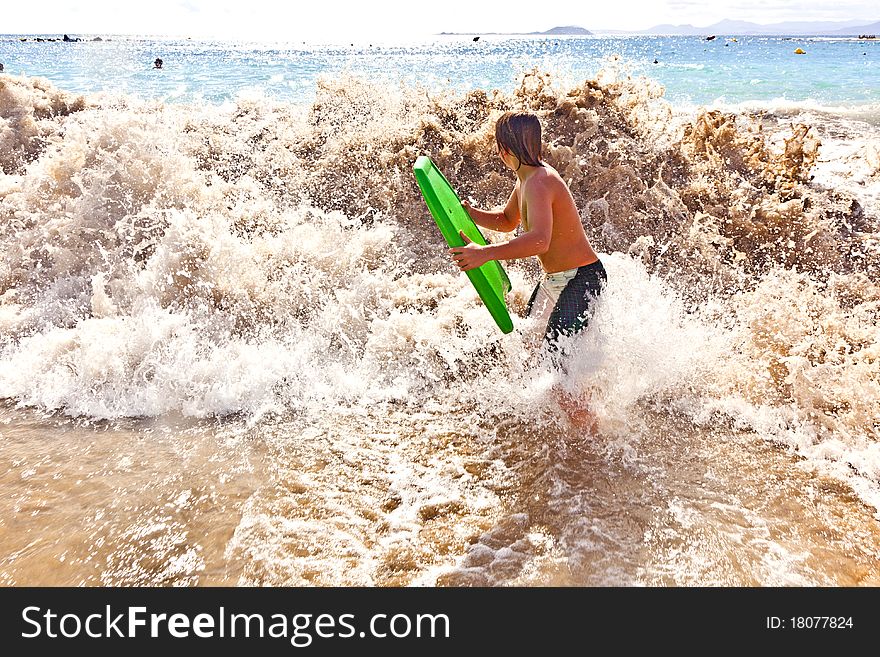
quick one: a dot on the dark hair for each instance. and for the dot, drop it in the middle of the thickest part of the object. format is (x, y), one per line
(520, 134)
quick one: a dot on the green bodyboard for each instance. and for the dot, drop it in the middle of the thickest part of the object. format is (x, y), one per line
(489, 280)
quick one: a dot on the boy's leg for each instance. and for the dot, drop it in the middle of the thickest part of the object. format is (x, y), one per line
(572, 313)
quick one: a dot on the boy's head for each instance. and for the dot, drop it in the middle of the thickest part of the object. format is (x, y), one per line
(520, 133)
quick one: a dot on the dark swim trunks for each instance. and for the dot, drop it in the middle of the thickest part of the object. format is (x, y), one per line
(574, 307)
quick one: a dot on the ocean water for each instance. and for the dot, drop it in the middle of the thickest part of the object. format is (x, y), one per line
(835, 72)
(233, 350)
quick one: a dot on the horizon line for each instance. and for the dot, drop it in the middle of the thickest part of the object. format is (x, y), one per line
(850, 24)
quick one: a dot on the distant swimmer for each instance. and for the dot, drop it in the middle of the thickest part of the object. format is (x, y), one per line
(476, 38)
(710, 37)
(1, 67)
(158, 63)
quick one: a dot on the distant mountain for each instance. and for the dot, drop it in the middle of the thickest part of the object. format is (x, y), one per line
(798, 28)
(725, 27)
(567, 29)
(873, 28)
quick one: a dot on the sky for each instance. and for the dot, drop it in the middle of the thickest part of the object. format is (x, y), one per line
(322, 20)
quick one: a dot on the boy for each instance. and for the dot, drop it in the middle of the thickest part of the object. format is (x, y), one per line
(542, 203)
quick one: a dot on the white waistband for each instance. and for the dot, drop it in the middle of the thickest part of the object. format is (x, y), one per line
(554, 283)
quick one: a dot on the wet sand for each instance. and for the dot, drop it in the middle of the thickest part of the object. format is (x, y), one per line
(365, 500)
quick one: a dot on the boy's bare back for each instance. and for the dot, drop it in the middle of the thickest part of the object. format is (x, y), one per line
(569, 247)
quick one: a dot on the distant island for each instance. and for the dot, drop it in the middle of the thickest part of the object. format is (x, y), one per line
(853, 28)
(566, 30)
(791, 28)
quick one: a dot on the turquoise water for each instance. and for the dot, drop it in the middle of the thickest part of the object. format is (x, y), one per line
(833, 72)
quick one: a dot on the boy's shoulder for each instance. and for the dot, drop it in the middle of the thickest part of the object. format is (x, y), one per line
(547, 179)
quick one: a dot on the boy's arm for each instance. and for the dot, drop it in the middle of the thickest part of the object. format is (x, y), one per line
(534, 241)
(503, 221)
